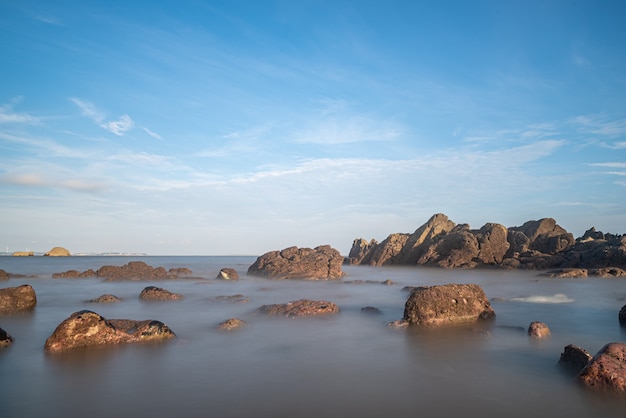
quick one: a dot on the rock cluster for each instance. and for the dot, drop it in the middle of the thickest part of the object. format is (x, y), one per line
(541, 244)
(17, 299)
(134, 270)
(86, 329)
(320, 263)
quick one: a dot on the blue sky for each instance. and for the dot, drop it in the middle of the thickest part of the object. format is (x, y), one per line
(241, 127)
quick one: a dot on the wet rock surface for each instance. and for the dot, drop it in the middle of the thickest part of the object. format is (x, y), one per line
(443, 305)
(320, 263)
(606, 372)
(228, 274)
(302, 307)
(574, 358)
(538, 330)
(5, 339)
(85, 329)
(17, 299)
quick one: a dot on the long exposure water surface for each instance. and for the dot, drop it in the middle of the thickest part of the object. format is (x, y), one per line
(348, 365)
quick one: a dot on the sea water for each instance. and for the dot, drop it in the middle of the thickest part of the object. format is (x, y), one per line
(347, 365)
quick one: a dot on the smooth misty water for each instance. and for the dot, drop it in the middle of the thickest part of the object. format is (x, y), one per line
(347, 365)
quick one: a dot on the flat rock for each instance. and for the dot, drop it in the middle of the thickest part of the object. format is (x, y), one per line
(232, 298)
(85, 329)
(606, 372)
(302, 307)
(450, 304)
(17, 299)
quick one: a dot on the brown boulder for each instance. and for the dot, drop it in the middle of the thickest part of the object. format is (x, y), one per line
(606, 371)
(179, 272)
(320, 263)
(574, 358)
(139, 270)
(302, 307)
(449, 304)
(157, 293)
(87, 329)
(538, 330)
(17, 299)
(4, 275)
(5, 339)
(58, 252)
(228, 274)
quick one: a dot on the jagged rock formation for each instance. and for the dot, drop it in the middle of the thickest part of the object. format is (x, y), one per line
(319, 263)
(541, 244)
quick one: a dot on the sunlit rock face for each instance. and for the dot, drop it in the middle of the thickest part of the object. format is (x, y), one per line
(606, 372)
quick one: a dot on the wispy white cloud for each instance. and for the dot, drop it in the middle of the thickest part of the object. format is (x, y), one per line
(152, 134)
(89, 110)
(143, 158)
(8, 116)
(119, 127)
(609, 164)
(351, 130)
(600, 125)
(615, 145)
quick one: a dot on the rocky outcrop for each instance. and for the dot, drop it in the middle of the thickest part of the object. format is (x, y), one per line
(541, 244)
(302, 307)
(228, 274)
(538, 330)
(3, 275)
(88, 329)
(320, 263)
(134, 270)
(5, 339)
(157, 293)
(574, 358)
(606, 372)
(58, 252)
(450, 304)
(105, 299)
(17, 299)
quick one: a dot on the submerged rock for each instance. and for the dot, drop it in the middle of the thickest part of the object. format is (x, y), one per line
(606, 372)
(231, 324)
(449, 304)
(232, 298)
(228, 274)
(157, 293)
(320, 263)
(5, 339)
(574, 358)
(302, 307)
(538, 330)
(88, 329)
(105, 299)
(4, 275)
(17, 299)
(621, 316)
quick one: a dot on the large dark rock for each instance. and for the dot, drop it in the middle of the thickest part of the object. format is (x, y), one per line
(322, 262)
(302, 307)
(4, 275)
(88, 329)
(541, 245)
(17, 299)
(134, 270)
(606, 372)
(5, 339)
(449, 304)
